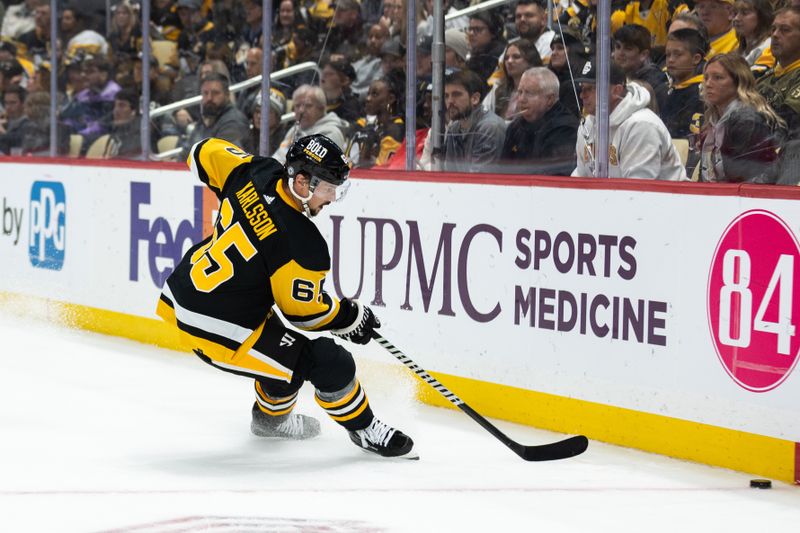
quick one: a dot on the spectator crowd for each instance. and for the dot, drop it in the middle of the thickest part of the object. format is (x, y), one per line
(706, 90)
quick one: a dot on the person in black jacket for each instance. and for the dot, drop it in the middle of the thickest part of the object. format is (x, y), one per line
(545, 131)
(632, 54)
(567, 58)
(337, 75)
(125, 124)
(683, 111)
(15, 122)
(486, 43)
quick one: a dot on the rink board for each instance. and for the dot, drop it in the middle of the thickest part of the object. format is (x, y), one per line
(637, 313)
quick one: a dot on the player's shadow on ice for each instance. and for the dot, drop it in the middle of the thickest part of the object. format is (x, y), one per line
(257, 456)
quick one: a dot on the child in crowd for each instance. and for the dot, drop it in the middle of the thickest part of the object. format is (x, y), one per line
(683, 111)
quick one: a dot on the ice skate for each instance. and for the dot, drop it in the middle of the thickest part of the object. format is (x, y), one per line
(291, 426)
(384, 440)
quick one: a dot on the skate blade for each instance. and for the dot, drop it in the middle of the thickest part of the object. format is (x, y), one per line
(410, 456)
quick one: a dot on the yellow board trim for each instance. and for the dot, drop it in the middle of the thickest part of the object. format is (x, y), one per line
(147, 330)
(747, 452)
(738, 450)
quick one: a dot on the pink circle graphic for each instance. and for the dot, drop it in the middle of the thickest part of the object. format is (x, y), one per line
(754, 300)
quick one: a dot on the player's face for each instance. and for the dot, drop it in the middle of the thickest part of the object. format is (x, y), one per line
(324, 194)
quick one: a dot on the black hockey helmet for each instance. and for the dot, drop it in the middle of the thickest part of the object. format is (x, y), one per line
(317, 156)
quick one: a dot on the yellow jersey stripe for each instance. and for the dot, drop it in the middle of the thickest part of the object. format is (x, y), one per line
(218, 159)
(275, 413)
(350, 406)
(273, 401)
(285, 196)
(305, 311)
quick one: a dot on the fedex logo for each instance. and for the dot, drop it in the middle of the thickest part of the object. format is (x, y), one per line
(164, 244)
(48, 216)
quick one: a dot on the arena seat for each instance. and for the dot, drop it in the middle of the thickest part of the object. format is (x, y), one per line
(75, 145)
(101, 148)
(167, 142)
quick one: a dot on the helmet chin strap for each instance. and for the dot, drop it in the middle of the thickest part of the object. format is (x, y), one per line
(303, 201)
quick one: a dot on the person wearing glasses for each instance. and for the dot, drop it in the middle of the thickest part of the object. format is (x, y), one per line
(486, 43)
(545, 131)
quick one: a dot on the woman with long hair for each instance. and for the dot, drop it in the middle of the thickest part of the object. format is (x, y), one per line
(376, 140)
(753, 24)
(742, 132)
(289, 15)
(126, 35)
(518, 57)
(394, 17)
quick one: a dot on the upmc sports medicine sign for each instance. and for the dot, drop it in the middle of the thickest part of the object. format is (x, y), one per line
(754, 300)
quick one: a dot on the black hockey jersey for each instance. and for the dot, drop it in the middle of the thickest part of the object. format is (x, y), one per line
(264, 251)
(683, 112)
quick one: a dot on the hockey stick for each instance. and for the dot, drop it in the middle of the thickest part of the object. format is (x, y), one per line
(562, 449)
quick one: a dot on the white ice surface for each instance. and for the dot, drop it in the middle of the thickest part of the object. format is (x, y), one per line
(101, 434)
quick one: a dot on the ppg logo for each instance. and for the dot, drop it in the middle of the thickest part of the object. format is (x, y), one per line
(47, 225)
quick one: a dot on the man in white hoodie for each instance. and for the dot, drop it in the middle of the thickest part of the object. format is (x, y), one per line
(309, 105)
(639, 144)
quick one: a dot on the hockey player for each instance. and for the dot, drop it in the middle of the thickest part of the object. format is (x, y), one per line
(266, 251)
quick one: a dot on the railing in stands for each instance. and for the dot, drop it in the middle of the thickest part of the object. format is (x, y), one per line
(277, 75)
(477, 8)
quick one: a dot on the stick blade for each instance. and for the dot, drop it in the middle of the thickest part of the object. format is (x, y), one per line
(563, 449)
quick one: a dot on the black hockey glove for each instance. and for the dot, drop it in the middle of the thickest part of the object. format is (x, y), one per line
(360, 331)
